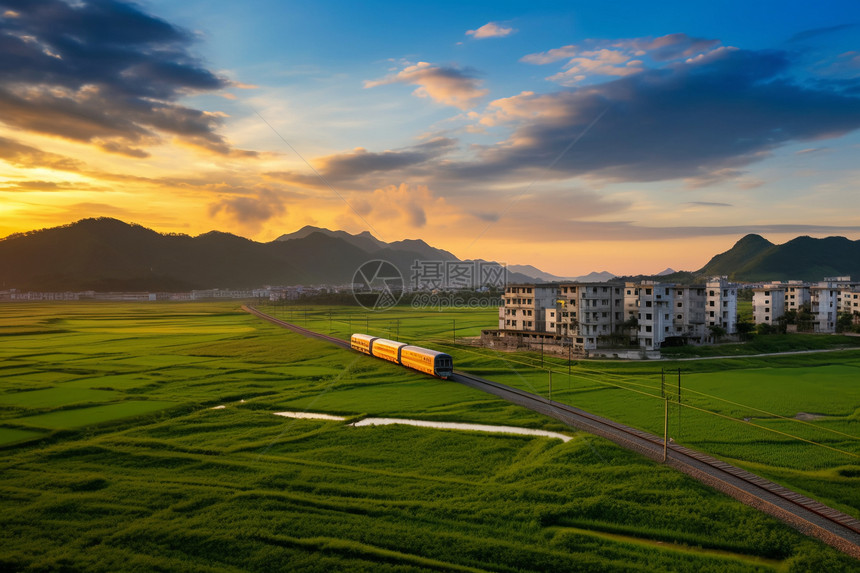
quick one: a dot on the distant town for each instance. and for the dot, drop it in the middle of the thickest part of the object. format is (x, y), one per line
(273, 293)
(635, 319)
(610, 318)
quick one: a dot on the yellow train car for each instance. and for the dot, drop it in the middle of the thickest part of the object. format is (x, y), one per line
(418, 358)
(387, 349)
(362, 342)
(422, 359)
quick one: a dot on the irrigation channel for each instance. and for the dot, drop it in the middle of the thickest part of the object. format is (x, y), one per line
(804, 514)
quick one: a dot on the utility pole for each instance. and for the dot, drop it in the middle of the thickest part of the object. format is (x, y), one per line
(662, 383)
(665, 429)
(679, 403)
(550, 384)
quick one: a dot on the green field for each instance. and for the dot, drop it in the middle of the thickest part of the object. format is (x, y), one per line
(794, 418)
(115, 460)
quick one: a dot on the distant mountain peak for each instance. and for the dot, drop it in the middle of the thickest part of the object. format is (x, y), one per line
(754, 258)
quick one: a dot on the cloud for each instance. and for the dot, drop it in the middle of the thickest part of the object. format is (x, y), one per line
(20, 155)
(600, 62)
(250, 210)
(398, 206)
(446, 85)
(708, 204)
(702, 118)
(103, 72)
(670, 46)
(807, 34)
(355, 165)
(42, 186)
(490, 30)
(617, 57)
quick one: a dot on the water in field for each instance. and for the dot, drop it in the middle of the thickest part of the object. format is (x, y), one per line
(429, 424)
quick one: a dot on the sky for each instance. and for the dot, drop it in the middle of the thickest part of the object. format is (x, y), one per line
(573, 136)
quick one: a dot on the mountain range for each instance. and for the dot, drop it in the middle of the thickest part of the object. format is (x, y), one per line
(754, 258)
(106, 254)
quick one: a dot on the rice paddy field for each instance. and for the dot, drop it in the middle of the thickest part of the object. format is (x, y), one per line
(114, 457)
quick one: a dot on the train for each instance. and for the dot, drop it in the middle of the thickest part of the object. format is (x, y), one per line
(423, 360)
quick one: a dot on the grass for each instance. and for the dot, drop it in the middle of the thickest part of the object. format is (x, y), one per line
(740, 409)
(137, 471)
(83, 417)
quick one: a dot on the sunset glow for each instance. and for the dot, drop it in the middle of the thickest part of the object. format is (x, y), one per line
(564, 136)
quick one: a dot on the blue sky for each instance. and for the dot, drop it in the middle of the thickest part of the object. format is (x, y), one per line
(620, 136)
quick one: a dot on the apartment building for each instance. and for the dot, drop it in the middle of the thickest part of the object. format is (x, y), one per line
(525, 307)
(586, 315)
(826, 298)
(850, 300)
(796, 295)
(722, 304)
(689, 313)
(769, 302)
(586, 311)
(656, 304)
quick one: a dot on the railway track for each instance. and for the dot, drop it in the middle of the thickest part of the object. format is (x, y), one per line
(804, 514)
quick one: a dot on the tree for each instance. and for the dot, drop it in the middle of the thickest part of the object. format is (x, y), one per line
(744, 328)
(717, 332)
(844, 322)
(805, 319)
(765, 328)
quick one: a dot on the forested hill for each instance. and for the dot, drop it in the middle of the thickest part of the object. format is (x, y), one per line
(754, 258)
(109, 255)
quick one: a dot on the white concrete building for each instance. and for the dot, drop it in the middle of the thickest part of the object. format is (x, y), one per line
(689, 313)
(769, 303)
(850, 300)
(825, 304)
(722, 304)
(525, 307)
(796, 295)
(587, 311)
(656, 324)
